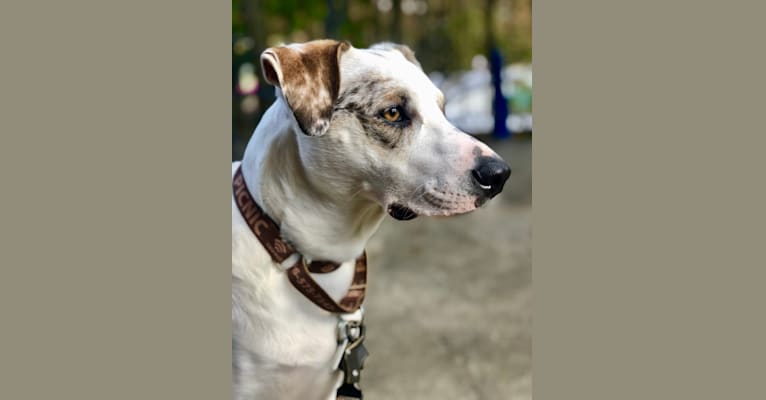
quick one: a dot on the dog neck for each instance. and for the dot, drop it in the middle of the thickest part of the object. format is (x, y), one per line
(321, 225)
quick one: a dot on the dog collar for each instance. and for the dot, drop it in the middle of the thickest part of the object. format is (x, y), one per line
(268, 233)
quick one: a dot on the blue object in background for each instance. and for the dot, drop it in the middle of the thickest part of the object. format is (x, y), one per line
(499, 104)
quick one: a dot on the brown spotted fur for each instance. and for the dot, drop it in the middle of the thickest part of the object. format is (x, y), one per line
(309, 78)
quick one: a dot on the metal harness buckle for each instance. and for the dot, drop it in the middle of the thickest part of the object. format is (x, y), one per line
(353, 358)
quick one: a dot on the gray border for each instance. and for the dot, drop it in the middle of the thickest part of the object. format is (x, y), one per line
(648, 201)
(114, 268)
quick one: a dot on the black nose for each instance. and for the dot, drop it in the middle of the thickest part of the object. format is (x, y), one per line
(491, 174)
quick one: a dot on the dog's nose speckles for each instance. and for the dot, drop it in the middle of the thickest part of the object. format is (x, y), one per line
(490, 174)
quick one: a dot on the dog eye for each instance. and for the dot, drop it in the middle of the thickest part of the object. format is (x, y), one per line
(393, 114)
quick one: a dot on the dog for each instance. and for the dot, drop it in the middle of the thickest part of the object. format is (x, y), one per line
(354, 135)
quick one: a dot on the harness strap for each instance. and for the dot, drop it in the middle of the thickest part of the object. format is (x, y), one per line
(301, 279)
(268, 232)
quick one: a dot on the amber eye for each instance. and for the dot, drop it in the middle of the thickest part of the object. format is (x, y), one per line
(392, 114)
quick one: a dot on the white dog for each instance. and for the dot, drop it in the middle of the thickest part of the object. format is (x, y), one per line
(354, 134)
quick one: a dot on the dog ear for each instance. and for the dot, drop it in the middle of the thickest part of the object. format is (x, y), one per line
(309, 76)
(407, 52)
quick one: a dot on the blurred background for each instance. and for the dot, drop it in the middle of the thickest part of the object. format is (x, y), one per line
(449, 299)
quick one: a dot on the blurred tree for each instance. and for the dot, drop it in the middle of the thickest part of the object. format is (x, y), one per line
(445, 33)
(336, 12)
(396, 23)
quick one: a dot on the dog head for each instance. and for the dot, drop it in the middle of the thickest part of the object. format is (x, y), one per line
(373, 125)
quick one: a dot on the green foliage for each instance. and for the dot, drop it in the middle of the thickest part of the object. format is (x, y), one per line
(445, 37)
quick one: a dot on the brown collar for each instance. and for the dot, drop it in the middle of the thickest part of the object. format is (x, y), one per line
(267, 231)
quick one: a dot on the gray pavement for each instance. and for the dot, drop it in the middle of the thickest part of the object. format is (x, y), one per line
(449, 300)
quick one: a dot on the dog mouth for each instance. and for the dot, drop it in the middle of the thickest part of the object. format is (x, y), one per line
(401, 213)
(434, 203)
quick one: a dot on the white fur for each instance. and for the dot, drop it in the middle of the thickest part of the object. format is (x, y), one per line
(325, 194)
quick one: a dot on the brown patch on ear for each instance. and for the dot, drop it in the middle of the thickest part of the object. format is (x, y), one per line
(309, 77)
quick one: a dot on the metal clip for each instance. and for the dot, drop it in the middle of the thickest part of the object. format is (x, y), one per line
(351, 334)
(348, 326)
(355, 352)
